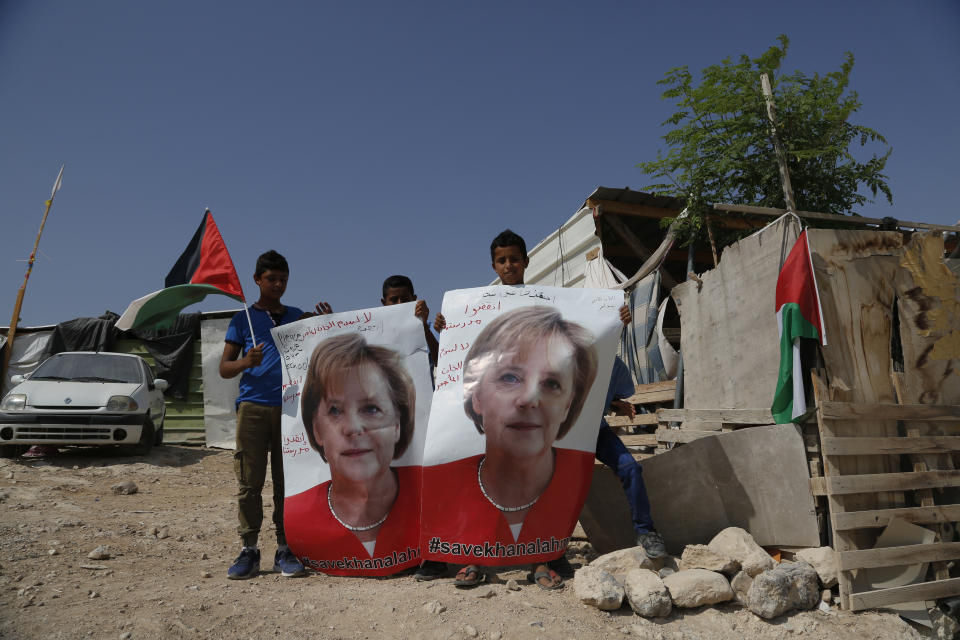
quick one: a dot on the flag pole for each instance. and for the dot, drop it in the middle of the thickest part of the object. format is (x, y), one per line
(12, 331)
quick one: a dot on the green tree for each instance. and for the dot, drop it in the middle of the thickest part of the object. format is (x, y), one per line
(720, 148)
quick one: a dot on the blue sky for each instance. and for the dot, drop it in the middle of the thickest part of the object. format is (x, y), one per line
(364, 139)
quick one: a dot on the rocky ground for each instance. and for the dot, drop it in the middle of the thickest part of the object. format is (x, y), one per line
(170, 544)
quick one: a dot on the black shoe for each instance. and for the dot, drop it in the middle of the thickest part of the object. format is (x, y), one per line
(430, 570)
(562, 566)
(652, 543)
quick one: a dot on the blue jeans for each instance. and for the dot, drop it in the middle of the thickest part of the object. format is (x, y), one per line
(612, 452)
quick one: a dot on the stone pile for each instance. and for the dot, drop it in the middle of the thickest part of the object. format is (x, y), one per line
(732, 567)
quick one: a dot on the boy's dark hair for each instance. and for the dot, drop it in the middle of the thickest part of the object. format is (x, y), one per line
(270, 261)
(507, 238)
(395, 282)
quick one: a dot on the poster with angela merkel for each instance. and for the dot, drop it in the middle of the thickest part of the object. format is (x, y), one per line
(356, 396)
(520, 386)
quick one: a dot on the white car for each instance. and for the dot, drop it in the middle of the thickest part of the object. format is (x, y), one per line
(84, 398)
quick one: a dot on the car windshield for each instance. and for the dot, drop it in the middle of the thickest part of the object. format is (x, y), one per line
(89, 367)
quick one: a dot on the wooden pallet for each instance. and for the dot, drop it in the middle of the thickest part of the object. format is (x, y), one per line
(649, 396)
(831, 417)
(700, 423)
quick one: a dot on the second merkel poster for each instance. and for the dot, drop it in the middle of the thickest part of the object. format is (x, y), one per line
(521, 381)
(356, 396)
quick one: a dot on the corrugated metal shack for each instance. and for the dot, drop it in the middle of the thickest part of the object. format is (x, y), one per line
(876, 451)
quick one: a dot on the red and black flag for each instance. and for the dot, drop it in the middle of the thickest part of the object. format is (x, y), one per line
(204, 267)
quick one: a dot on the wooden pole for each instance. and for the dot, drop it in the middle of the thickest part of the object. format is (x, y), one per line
(777, 147)
(12, 331)
(713, 244)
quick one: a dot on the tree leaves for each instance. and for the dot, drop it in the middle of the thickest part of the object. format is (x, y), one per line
(719, 147)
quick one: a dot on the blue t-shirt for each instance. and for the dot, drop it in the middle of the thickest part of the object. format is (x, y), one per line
(260, 384)
(621, 384)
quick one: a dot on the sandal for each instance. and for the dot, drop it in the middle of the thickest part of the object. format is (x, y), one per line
(469, 576)
(543, 572)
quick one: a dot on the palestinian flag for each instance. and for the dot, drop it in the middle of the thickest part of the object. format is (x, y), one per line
(798, 316)
(204, 268)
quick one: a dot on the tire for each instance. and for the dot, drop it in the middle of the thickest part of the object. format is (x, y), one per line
(13, 450)
(145, 444)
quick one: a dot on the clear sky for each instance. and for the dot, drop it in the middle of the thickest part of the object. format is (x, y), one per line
(362, 139)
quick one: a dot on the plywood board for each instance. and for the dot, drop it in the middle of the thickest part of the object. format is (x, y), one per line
(725, 327)
(855, 271)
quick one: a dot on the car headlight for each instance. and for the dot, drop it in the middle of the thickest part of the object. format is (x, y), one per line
(14, 402)
(122, 403)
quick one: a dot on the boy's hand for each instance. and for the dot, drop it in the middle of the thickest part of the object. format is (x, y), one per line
(322, 309)
(254, 357)
(623, 408)
(625, 315)
(421, 311)
(439, 323)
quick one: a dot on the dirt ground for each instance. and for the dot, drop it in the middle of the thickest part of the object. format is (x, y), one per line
(171, 542)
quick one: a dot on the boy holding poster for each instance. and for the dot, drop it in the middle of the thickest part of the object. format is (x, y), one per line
(398, 290)
(258, 413)
(509, 261)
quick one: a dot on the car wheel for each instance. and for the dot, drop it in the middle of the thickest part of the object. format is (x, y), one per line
(145, 444)
(13, 450)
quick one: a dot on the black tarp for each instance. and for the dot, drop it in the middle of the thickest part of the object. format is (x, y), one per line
(172, 349)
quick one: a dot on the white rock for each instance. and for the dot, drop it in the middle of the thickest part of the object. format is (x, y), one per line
(740, 545)
(740, 584)
(785, 588)
(700, 556)
(512, 585)
(826, 596)
(620, 563)
(435, 607)
(598, 588)
(496, 635)
(647, 594)
(824, 561)
(125, 488)
(100, 553)
(697, 587)
(470, 631)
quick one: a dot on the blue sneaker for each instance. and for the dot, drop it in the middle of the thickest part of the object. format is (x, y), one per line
(247, 564)
(287, 564)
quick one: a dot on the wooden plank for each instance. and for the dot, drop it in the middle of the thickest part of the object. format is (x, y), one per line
(873, 482)
(898, 556)
(919, 412)
(815, 215)
(842, 540)
(697, 425)
(875, 518)
(889, 445)
(663, 385)
(682, 435)
(631, 208)
(910, 593)
(636, 245)
(640, 419)
(646, 397)
(731, 416)
(818, 487)
(640, 440)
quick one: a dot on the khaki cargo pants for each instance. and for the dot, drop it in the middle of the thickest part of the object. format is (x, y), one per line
(258, 432)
